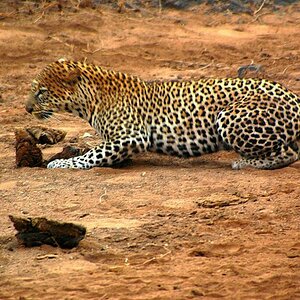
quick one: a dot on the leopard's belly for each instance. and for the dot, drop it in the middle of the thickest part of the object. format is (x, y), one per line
(184, 141)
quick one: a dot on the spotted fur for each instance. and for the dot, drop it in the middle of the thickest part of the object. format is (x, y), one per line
(257, 118)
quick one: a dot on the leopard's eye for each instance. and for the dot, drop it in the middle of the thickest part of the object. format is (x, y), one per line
(43, 89)
(39, 93)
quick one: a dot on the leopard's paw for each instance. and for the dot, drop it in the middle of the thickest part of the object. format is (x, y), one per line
(59, 164)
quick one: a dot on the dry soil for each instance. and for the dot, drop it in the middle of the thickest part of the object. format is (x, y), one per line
(161, 227)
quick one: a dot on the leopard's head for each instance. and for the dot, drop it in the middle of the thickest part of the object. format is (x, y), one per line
(54, 89)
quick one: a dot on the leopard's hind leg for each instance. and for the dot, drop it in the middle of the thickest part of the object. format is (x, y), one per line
(274, 160)
(263, 130)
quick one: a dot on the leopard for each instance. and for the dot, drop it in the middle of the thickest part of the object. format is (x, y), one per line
(257, 118)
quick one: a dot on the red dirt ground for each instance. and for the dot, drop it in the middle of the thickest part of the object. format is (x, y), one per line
(162, 227)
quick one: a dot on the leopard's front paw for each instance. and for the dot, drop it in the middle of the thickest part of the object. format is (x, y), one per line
(59, 164)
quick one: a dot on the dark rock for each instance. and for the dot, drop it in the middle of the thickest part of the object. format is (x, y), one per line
(180, 4)
(68, 152)
(34, 232)
(252, 68)
(27, 152)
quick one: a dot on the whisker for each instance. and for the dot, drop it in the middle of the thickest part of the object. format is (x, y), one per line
(46, 115)
(42, 114)
(37, 114)
(56, 118)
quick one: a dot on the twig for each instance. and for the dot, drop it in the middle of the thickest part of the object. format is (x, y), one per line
(283, 72)
(49, 256)
(45, 7)
(260, 8)
(206, 66)
(43, 13)
(104, 195)
(50, 5)
(159, 6)
(260, 15)
(60, 41)
(3, 15)
(156, 258)
(149, 260)
(88, 50)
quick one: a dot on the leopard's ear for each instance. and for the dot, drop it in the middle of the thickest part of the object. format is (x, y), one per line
(62, 60)
(34, 84)
(72, 77)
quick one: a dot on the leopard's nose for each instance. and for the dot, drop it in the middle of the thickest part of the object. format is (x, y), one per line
(29, 108)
